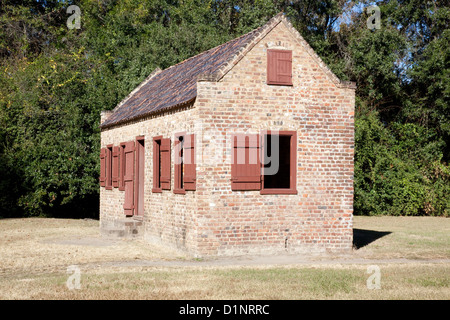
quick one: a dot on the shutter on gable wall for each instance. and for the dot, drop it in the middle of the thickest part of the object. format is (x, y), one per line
(246, 164)
(165, 164)
(189, 163)
(103, 167)
(115, 167)
(271, 67)
(279, 67)
(128, 178)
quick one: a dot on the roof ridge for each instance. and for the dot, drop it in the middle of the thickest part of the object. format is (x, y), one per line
(177, 85)
(239, 46)
(216, 47)
(308, 49)
(259, 33)
(150, 76)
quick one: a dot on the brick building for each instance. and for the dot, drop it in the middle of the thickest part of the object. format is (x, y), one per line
(245, 148)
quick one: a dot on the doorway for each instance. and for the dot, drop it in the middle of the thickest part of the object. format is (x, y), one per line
(140, 177)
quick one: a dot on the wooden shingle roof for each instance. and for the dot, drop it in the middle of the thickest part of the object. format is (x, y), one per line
(176, 85)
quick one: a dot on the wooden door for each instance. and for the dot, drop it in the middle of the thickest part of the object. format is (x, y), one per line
(128, 178)
(139, 176)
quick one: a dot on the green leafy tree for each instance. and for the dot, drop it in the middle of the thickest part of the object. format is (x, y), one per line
(54, 82)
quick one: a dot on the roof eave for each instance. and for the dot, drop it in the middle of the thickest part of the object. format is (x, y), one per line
(150, 76)
(107, 125)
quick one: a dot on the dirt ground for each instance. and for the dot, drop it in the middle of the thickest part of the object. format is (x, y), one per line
(36, 254)
(37, 244)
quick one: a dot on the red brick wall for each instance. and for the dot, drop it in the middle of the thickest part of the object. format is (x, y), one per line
(168, 218)
(319, 217)
(214, 220)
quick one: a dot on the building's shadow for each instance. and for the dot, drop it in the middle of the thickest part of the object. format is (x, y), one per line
(362, 238)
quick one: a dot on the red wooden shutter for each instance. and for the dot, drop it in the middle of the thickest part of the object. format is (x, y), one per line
(129, 178)
(246, 164)
(109, 167)
(156, 164)
(271, 67)
(115, 167)
(121, 166)
(189, 162)
(165, 164)
(103, 167)
(279, 67)
(178, 165)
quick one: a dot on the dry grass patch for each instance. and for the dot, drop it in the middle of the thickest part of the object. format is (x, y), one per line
(410, 281)
(39, 245)
(404, 237)
(35, 254)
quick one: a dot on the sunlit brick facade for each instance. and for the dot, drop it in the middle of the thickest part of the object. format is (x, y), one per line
(314, 115)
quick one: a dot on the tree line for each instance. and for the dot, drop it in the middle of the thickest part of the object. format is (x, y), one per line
(55, 80)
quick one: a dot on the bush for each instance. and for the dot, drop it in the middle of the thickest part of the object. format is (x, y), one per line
(399, 170)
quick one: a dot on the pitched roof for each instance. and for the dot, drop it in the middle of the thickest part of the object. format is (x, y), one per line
(177, 85)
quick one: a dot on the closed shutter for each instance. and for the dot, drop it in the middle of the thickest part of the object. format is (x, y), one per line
(109, 167)
(121, 166)
(246, 164)
(128, 178)
(156, 164)
(178, 164)
(279, 67)
(115, 167)
(165, 164)
(189, 162)
(103, 167)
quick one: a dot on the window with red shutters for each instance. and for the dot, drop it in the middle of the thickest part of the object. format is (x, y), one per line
(265, 162)
(245, 164)
(279, 154)
(190, 167)
(161, 164)
(157, 164)
(102, 167)
(115, 167)
(185, 163)
(279, 67)
(128, 178)
(165, 164)
(179, 164)
(109, 167)
(139, 176)
(121, 166)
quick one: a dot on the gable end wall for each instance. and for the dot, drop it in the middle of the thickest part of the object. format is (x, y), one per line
(319, 217)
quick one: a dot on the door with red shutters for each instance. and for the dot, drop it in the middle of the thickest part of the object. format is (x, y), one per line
(139, 177)
(128, 178)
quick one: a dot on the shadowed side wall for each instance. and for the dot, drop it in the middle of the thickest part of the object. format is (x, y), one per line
(168, 218)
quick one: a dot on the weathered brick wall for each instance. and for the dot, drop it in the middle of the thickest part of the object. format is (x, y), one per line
(319, 217)
(214, 220)
(168, 218)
